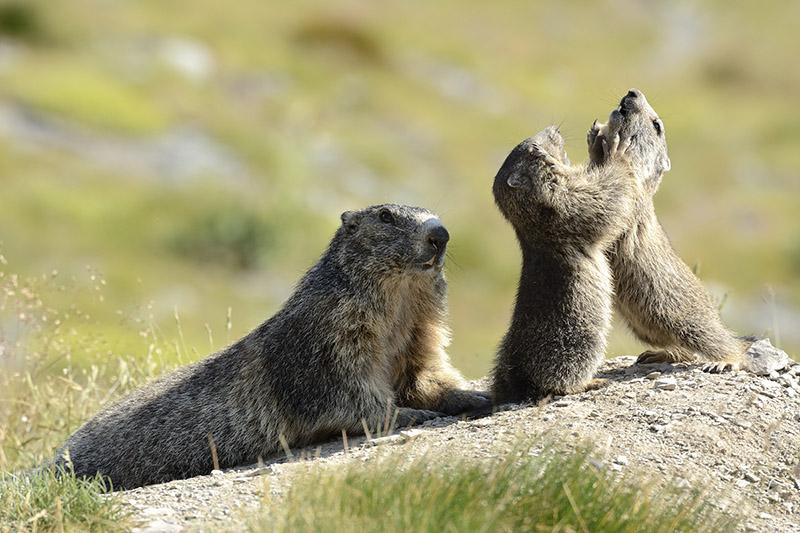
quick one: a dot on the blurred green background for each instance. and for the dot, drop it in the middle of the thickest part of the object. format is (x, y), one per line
(184, 158)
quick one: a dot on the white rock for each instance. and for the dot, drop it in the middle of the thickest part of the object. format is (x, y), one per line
(413, 433)
(752, 478)
(653, 375)
(190, 58)
(157, 526)
(666, 383)
(762, 358)
(389, 439)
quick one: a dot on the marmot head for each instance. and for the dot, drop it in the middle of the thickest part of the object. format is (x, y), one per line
(636, 120)
(391, 239)
(522, 177)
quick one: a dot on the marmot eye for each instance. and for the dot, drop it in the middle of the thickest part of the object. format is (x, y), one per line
(386, 217)
(657, 126)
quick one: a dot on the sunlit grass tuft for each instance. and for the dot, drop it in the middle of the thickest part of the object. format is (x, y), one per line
(44, 501)
(518, 491)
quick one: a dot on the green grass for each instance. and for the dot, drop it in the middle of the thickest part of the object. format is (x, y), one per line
(330, 109)
(43, 501)
(85, 95)
(517, 491)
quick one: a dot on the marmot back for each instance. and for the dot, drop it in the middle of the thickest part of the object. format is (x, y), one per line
(363, 335)
(564, 217)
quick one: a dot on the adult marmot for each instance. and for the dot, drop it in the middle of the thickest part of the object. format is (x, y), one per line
(564, 217)
(362, 335)
(662, 300)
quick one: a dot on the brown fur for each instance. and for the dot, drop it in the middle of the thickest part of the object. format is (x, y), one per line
(564, 216)
(662, 300)
(363, 336)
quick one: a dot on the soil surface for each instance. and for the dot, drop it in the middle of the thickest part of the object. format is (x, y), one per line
(735, 434)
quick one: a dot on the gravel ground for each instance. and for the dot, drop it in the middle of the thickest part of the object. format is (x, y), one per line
(737, 435)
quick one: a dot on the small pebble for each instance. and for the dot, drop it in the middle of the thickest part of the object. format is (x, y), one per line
(413, 433)
(666, 383)
(752, 478)
(653, 375)
(389, 439)
(217, 473)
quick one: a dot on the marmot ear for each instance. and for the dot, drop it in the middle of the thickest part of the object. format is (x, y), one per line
(350, 221)
(514, 180)
(666, 164)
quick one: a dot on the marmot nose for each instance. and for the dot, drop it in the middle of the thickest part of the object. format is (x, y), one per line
(632, 100)
(438, 236)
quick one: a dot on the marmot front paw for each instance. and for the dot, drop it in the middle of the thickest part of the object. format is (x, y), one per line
(717, 367)
(458, 401)
(594, 141)
(411, 417)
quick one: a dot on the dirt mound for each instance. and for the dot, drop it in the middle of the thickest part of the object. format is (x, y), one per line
(736, 435)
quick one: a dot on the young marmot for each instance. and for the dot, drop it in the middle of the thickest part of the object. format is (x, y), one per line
(564, 217)
(362, 335)
(662, 300)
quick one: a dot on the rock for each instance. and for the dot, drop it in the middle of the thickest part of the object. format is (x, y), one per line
(653, 375)
(389, 439)
(413, 433)
(752, 478)
(762, 358)
(217, 472)
(189, 58)
(157, 526)
(666, 383)
(621, 460)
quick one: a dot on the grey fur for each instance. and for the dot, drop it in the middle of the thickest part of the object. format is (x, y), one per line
(564, 217)
(662, 300)
(363, 334)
